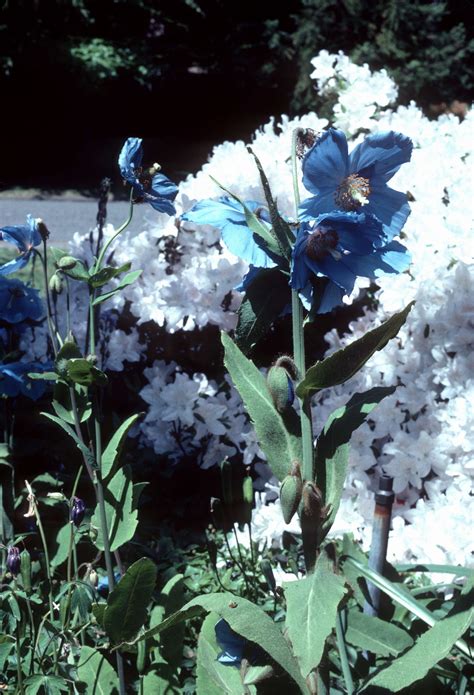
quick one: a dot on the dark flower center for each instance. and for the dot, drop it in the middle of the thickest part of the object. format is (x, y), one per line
(352, 192)
(321, 243)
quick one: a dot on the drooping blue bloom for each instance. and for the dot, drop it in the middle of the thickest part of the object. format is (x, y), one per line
(357, 182)
(25, 237)
(148, 185)
(14, 380)
(13, 560)
(341, 247)
(230, 642)
(18, 302)
(227, 215)
(78, 511)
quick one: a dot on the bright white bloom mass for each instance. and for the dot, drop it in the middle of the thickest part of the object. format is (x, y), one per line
(423, 434)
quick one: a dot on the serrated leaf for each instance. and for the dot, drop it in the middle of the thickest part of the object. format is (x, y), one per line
(52, 685)
(63, 406)
(122, 519)
(127, 603)
(375, 635)
(96, 672)
(264, 300)
(247, 620)
(312, 605)
(279, 435)
(332, 447)
(111, 454)
(124, 282)
(340, 366)
(429, 649)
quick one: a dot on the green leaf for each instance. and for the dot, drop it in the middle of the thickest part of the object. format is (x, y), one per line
(52, 685)
(87, 453)
(340, 366)
(61, 546)
(161, 679)
(103, 276)
(6, 647)
(127, 603)
(312, 605)
(43, 376)
(69, 350)
(375, 635)
(98, 610)
(332, 447)
(429, 649)
(113, 450)
(122, 519)
(263, 302)
(81, 600)
(212, 677)
(247, 620)
(254, 223)
(281, 229)
(171, 599)
(95, 671)
(444, 569)
(278, 435)
(82, 372)
(79, 272)
(124, 282)
(63, 406)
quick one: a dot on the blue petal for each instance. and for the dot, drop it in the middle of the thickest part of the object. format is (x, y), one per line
(381, 155)
(15, 264)
(338, 271)
(228, 215)
(390, 206)
(18, 302)
(317, 205)
(230, 642)
(332, 297)
(393, 258)
(130, 157)
(23, 236)
(163, 187)
(326, 164)
(357, 232)
(35, 236)
(14, 379)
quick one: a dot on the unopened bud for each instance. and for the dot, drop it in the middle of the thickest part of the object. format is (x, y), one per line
(93, 578)
(78, 510)
(66, 262)
(56, 283)
(290, 493)
(25, 569)
(92, 359)
(56, 496)
(13, 560)
(267, 571)
(281, 388)
(312, 501)
(247, 489)
(42, 228)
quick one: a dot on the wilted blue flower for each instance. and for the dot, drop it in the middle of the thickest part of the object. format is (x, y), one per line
(227, 215)
(148, 186)
(14, 380)
(230, 642)
(25, 237)
(357, 182)
(18, 302)
(341, 247)
(13, 560)
(78, 510)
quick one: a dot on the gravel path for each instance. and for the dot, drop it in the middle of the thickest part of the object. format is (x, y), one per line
(65, 217)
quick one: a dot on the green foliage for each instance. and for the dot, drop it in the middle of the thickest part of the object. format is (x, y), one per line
(96, 673)
(278, 434)
(127, 604)
(374, 635)
(122, 517)
(312, 605)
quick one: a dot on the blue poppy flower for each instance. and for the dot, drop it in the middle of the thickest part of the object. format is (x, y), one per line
(228, 215)
(357, 182)
(230, 642)
(148, 185)
(341, 247)
(25, 237)
(14, 380)
(18, 302)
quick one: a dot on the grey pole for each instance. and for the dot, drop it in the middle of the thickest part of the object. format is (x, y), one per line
(380, 529)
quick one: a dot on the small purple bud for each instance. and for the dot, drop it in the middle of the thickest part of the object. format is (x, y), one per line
(13, 560)
(78, 510)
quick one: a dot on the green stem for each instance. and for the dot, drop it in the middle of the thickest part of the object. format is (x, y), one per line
(341, 645)
(49, 314)
(46, 558)
(112, 238)
(18, 660)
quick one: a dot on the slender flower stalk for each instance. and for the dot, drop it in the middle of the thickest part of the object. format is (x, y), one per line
(33, 511)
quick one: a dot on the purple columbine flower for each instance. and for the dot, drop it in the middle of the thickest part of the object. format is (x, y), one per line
(78, 510)
(13, 560)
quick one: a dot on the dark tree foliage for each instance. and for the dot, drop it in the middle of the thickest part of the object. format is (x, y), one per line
(77, 76)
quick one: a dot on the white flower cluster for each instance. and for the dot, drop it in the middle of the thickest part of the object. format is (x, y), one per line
(190, 416)
(361, 94)
(423, 434)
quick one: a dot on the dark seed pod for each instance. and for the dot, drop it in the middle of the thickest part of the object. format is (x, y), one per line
(290, 494)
